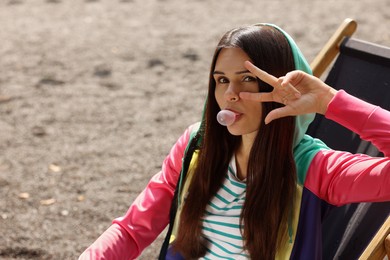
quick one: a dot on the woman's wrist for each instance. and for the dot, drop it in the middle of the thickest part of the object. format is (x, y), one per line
(325, 100)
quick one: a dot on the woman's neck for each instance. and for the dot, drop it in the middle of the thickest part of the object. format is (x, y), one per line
(242, 155)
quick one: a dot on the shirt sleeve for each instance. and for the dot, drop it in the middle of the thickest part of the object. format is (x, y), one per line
(146, 217)
(340, 177)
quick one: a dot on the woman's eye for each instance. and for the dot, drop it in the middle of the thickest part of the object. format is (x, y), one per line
(222, 80)
(249, 79)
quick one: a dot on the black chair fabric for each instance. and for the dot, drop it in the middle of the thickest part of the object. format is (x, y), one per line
(363, 70)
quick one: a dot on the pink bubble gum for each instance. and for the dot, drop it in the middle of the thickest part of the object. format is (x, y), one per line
(226, 117)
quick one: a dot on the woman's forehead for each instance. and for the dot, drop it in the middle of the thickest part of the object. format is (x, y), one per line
(231, 59)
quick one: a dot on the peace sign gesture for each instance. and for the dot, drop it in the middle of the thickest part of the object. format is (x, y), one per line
(300, 93)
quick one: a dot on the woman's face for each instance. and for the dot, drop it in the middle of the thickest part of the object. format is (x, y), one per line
(231, 78)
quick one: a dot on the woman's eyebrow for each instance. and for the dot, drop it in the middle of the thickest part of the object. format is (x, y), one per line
(243, 72)
(238, 72)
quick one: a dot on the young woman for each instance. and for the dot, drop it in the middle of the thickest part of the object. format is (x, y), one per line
(255, 188)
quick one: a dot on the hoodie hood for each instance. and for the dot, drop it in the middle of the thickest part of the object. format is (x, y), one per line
(302, 121)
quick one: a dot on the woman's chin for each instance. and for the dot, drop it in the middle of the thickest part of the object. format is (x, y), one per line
(238, 129)
(234, 130)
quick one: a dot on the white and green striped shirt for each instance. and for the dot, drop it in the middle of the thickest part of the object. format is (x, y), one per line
(221, 222)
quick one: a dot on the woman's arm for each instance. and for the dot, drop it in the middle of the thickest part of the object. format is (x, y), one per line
(371, 122)
(337, 177)
(341, 177)
(146, 217)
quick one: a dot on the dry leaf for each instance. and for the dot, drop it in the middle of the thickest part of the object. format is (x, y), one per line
(48, 202)
(38, 131)
(24, 195)
(4, 99)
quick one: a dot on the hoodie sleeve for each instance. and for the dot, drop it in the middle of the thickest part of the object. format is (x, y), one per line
(146, 217)
(341, 177)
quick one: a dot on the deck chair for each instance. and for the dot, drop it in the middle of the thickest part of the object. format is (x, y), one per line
(363, 70)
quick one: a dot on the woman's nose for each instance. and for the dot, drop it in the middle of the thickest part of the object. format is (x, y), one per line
(232, 93)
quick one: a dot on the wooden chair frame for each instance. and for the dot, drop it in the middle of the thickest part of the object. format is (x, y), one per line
(379, 246)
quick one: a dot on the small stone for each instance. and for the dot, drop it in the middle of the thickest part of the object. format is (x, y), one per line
(54, 168)
(64, 212)
(80, 198)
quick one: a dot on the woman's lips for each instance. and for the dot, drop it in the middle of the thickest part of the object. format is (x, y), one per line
(238, 114)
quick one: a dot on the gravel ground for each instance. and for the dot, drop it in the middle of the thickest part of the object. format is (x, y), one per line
(94, 93)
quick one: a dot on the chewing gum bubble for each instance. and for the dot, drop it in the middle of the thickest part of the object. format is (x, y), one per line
(226, 117)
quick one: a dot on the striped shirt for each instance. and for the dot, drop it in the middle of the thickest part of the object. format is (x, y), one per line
(221, 222)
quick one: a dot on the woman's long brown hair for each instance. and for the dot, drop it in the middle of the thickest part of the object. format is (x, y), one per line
(271, 173)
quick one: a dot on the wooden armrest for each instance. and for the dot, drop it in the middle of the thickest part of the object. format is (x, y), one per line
(379, 245)
(332, 47)
(387, 245)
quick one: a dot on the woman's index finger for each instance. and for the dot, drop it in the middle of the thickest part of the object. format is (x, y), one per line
(261, 74)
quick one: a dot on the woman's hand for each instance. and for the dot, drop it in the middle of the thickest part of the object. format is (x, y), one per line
(300, 92)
